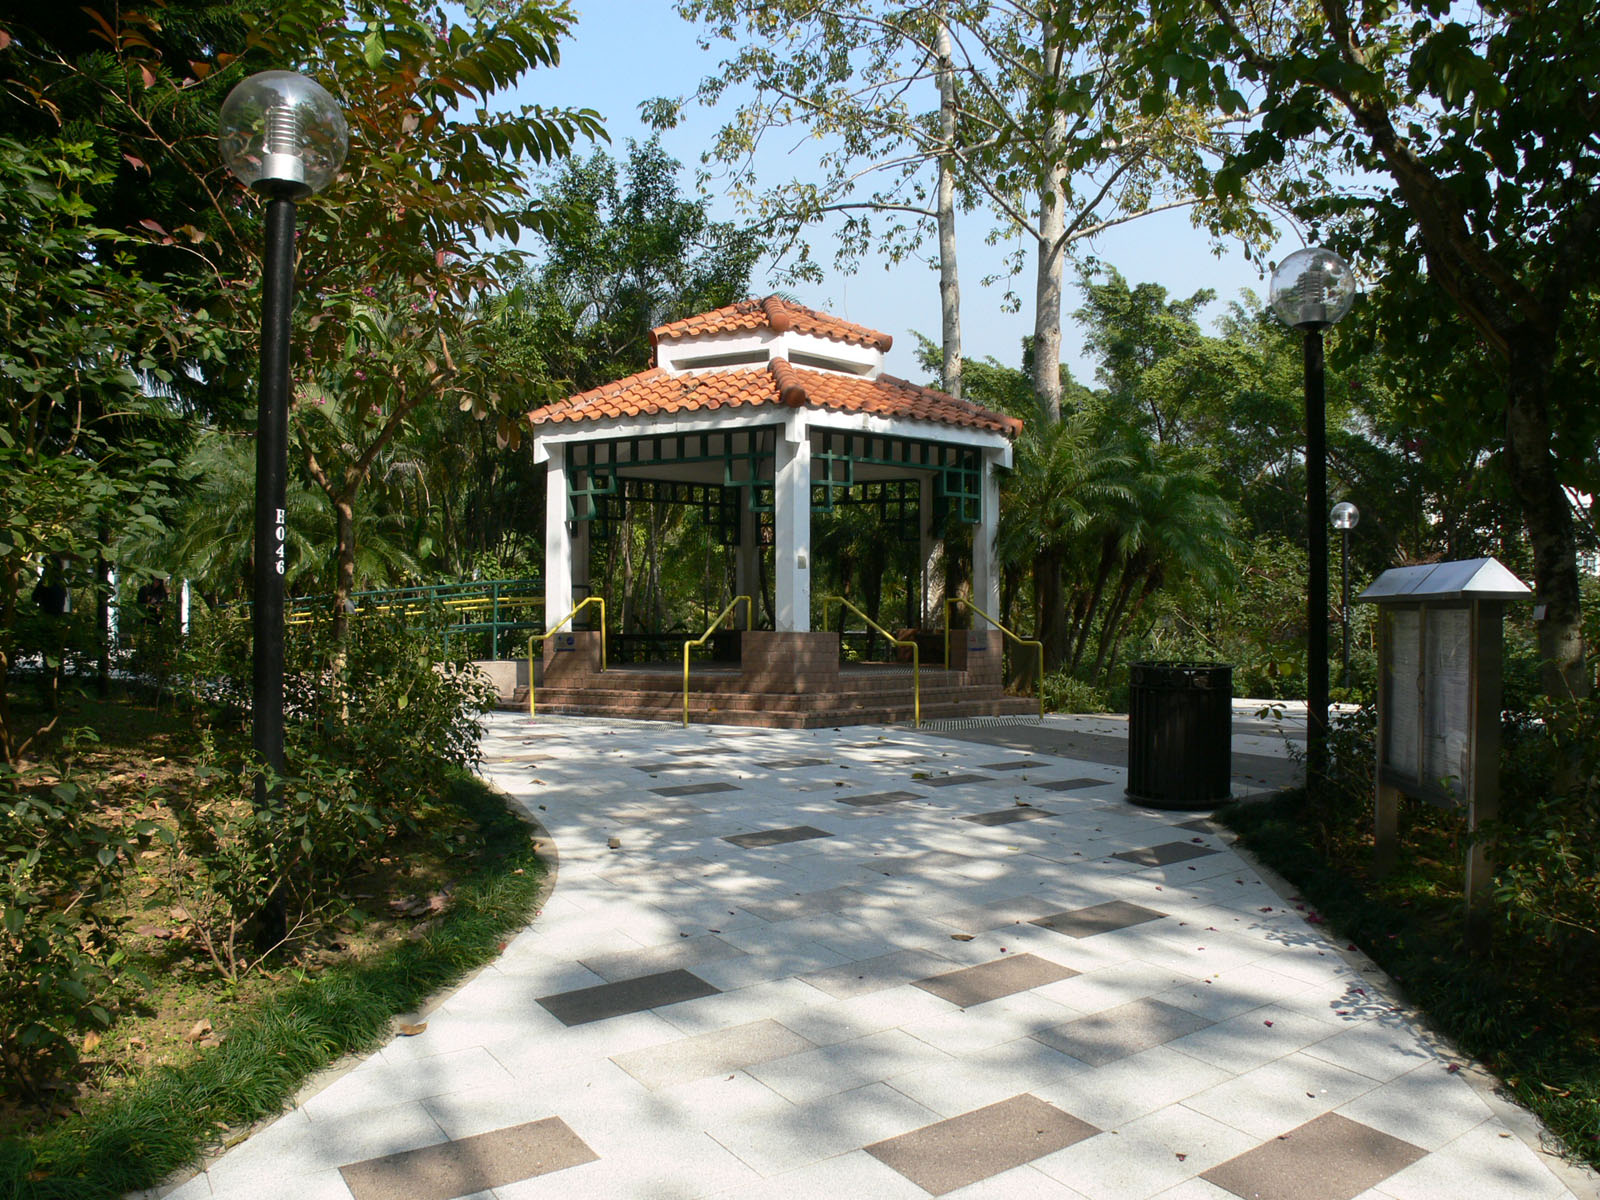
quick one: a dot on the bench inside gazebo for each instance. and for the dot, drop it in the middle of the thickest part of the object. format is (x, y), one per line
(761, 415)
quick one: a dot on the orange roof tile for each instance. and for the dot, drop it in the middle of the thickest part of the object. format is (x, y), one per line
(776, 314)
(777, 384)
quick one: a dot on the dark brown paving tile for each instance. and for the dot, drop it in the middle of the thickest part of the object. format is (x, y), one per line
(677, 764)
(1098, 918)
(1115, 1033)
(991, 980)
(627, 996)
(777, 837)
(1008, 816)
(1068, 785)
(1330, 1158)
(878, 798)
(951, 780)
(1016, 764)
(694, 789)
(783, 764)
(1199, 825)
(473, 1164)
(951, 1154)
(1165, 854)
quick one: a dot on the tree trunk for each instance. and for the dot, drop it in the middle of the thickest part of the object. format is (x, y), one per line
(1108, 551)
(949, 285)
(1052, 227)
(1548, 516)
(344, 584)
(1052, 608)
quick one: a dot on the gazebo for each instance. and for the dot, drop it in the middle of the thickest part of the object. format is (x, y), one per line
(763, 413)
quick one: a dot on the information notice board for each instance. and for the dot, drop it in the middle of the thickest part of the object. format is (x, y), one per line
(1427, 688)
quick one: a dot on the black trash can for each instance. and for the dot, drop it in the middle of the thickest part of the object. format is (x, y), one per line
(1180, 734)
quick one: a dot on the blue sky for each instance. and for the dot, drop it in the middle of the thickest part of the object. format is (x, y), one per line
(627, 51)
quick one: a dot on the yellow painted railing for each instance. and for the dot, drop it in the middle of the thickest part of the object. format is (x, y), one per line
(916, 658)
(701, 641)
(1038, 685)
(542, 638)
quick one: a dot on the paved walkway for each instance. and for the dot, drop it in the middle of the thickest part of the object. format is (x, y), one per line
(877, 963)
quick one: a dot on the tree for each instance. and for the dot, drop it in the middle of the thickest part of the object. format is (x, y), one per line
(1029, 122)
(631, 253)
(392, 266)
(1487, 141)
(80, 463)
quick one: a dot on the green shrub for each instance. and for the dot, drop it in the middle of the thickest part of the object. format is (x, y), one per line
(1067, 694)
(373, 729)
(61, 857)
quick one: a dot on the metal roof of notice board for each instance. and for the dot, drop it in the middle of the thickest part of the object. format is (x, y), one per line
(1466, 579)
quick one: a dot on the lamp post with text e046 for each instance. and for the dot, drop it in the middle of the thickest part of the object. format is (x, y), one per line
(282, 135)
(1312, 289)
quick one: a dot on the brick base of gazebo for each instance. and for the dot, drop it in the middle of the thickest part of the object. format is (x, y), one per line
(783, 681)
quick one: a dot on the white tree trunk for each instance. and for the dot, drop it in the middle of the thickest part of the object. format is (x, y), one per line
(1052, 225)
(949, 285)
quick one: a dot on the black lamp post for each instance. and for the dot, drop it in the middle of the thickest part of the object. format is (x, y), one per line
(282, 135)
(1345, 517)
(1312, 289)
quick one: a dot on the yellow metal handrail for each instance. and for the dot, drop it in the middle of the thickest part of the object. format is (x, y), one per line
(916, 658)
(701, 641)
(1021, 641)
(541, 638)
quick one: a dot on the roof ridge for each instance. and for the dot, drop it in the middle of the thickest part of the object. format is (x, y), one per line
(790, 389)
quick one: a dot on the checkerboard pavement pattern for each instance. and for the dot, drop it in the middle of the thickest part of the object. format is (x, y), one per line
(883, 963)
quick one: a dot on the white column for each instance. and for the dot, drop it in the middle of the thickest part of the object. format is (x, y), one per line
(747, 558)
(792, 528)
(183, 608)
(557, 540)
(931, 545)
(985, 562)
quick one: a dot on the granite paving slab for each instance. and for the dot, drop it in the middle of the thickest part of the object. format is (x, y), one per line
(915, 1005)
(1330, 1158)
(474, 1164)
(1008, 816)
(992, 980)
(598, 1003)
(777, 837)
(975, 1146)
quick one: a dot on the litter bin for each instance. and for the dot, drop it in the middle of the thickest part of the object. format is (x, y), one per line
(1180, 734)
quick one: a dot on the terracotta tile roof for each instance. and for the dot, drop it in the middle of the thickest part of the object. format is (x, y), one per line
(772, 313)
(778, 384)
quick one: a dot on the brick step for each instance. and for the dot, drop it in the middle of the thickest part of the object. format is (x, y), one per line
(733, 682)
(763, 709)
(781, 702)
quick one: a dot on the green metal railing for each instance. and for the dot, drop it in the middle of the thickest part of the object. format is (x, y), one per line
(542, 638)
(1038, 685)
(701, 641)
(495, 607)
(916, 658)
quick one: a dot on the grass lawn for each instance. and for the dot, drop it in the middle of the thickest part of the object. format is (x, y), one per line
(1527, 1009)
(189, 1056)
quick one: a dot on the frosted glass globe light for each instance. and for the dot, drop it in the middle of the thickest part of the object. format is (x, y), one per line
(1344, 515)
(282, 134)
(1312, 288)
